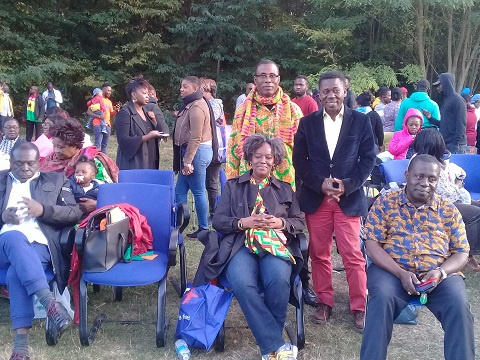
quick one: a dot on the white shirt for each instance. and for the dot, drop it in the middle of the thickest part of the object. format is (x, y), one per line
(332, 129)
(6, 111)
(29, 227)
(240, 100)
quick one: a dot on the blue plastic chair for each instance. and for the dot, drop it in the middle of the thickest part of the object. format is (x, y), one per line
(394, 170)
(167, 178)
(150, 199)
(471, 164)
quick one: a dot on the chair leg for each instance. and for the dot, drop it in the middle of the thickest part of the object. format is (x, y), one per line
(161, 330)
(87, 336)
(300, 317)
(117, 293)
(220, 339)
(183, 269)
(83, 325)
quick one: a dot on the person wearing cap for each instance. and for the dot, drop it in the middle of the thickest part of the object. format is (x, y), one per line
(421, 101)
(466, 91)
(404, 92)
(476, 103)
(453, 113)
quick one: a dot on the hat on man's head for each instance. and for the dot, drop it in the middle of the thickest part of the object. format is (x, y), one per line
(475, 98)
(466, 91)
(436, 83)
(423, 84)
(404, 90)
(96, 91)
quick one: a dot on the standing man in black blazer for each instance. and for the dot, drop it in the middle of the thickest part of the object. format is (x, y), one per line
(333, 155)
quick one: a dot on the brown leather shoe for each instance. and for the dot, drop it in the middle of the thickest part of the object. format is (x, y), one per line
(359, 319)
(322, 314)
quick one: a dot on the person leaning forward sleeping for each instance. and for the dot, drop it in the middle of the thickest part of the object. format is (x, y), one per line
(259, 218)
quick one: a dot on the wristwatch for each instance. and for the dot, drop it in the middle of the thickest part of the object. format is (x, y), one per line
(444, 273)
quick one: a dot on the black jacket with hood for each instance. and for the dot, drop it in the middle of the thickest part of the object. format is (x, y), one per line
(453, 113)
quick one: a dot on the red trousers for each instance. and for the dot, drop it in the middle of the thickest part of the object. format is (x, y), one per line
(321, 225)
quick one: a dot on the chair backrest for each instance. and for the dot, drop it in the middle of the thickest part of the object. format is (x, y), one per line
(149, 176)
(471, 164)
(153, 201)
(394, 170)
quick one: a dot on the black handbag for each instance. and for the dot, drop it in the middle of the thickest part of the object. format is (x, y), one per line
(105, 245)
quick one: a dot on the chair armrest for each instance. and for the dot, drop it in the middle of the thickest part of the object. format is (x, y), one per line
(80, 240)
(172, 247)
(67, 239)
(183, 216)
(302, 240)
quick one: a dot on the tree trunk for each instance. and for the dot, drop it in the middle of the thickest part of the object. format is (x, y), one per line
(420, 17)
(449, 40)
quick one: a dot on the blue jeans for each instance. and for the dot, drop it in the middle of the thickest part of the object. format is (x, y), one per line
(196, 183)
(250, 276)
(26, 264)
(448, 302)
(101, 139)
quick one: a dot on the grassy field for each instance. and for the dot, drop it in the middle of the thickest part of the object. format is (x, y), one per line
(336, 340)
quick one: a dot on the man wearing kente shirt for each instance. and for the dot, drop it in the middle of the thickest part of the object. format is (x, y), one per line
(266, 110)
(33, 111)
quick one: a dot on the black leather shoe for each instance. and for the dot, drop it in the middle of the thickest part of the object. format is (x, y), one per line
(309, 297)
(194, 235)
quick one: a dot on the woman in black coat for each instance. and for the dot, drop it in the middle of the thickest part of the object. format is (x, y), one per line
(137, 134)
(259, 218)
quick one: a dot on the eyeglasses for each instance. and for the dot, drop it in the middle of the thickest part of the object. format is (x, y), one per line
(271, 77)
(11, 127)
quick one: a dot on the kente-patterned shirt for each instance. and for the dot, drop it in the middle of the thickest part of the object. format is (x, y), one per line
(418, 239)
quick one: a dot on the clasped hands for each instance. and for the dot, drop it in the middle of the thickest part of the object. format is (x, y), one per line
(262, 222)
(334, 193)
(29, 207)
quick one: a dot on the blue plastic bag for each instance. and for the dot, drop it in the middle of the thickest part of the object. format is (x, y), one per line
(203, 310)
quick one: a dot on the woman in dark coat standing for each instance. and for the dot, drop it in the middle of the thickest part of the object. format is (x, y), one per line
(137, 134)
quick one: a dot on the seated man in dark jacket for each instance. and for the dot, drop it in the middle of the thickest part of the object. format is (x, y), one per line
(35, 209)
(259, 218)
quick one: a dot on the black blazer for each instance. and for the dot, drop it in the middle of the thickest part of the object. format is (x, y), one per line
(132, 152)
(352, 162)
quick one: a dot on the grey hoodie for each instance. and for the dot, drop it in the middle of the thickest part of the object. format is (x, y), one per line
(453, 113)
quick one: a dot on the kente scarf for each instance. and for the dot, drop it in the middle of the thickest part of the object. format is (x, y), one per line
(253, 116)
(7, 145)
(260, 241)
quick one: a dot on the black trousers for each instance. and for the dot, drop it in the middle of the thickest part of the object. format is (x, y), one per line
(212, 183)
(31, 125)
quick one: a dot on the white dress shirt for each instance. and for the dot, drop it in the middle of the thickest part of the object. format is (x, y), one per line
(6, 111)
(29, 227)
(332, 129)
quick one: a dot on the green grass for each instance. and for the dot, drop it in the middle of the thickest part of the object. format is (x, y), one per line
(336, 340)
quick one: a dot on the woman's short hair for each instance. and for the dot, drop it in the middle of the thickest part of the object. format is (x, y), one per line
(208, 85)
(364, 99)
(70, 131)
(56, 111)
(397, 94)
(134, 85)
(430, 142)
(256, 140)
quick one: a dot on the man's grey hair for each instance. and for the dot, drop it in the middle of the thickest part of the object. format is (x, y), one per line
(256, 140)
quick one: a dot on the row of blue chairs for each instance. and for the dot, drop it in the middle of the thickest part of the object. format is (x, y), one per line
(394, 171)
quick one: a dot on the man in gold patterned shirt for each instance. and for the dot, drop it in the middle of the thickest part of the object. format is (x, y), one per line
(413, 235)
